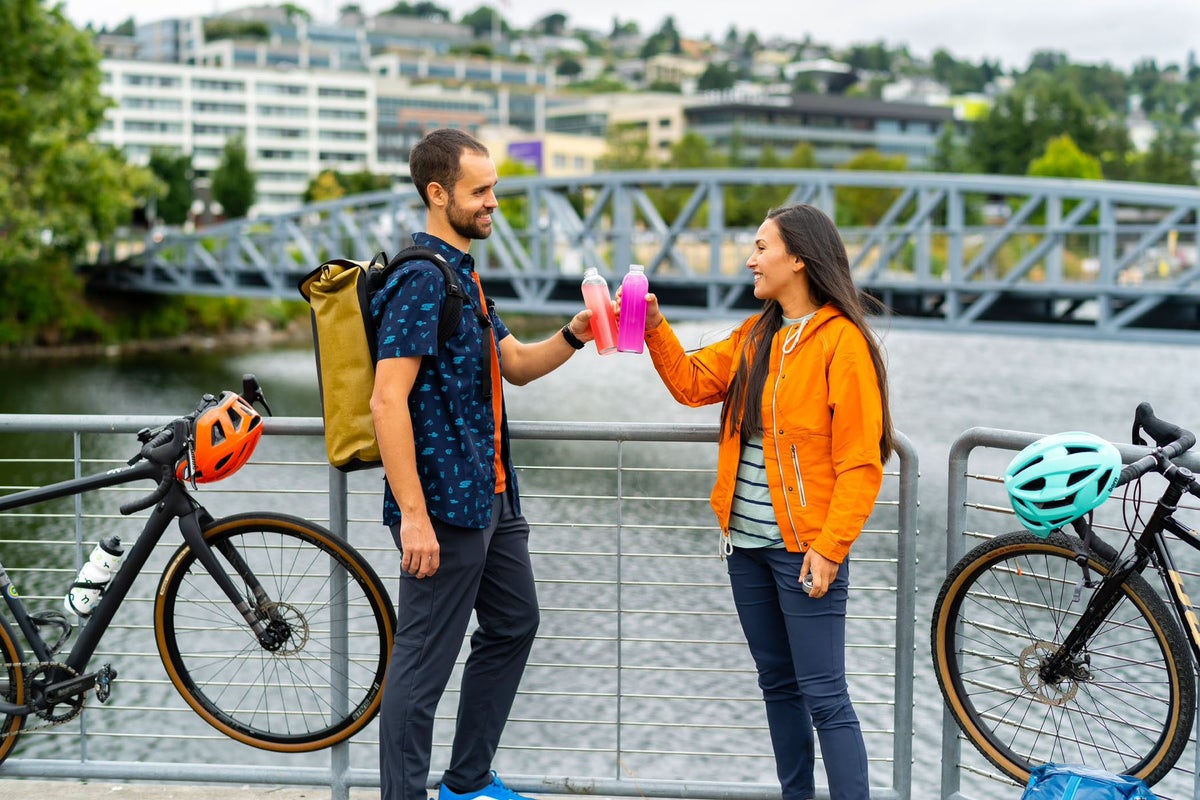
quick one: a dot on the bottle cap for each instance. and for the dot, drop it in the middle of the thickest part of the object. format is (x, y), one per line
(112, 545)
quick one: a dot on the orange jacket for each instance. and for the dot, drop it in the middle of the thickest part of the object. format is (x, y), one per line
(822, 420)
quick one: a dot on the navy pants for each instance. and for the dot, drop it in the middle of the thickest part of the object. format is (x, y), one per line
(799, 648)
(487, 571)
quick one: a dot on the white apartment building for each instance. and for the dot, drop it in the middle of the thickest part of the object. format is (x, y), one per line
(294, 123)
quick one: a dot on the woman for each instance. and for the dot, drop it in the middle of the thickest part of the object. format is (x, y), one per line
(805, 431)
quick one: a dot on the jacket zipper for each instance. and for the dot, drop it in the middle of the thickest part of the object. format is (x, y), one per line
(790, 342)
(799, 477)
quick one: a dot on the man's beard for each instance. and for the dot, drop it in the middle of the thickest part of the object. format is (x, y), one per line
(469, 226)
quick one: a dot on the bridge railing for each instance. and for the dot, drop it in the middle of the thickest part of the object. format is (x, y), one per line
(954, 250)
(640, 682)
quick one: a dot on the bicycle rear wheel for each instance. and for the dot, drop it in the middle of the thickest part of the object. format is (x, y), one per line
(1128, 705)
(324, 681)
(12, 688)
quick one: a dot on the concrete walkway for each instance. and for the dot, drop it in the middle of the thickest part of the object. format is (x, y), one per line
(74, 789)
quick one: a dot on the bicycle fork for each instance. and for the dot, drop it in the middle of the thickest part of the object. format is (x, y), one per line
(270, 634)
(1063, 663)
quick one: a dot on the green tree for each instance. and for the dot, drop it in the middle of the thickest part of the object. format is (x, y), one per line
(949, 154)
(331, 184)
(627, 148)
(554, 24)
(665, 40)
(1021, 122)
(325, 186)
(871, 57)
(1063, 159)
(175, 171)
(717, 76)
(803, 156)
(126, 28)
(1118, 157)
(294, 11)
(515, 208)
(1169, 158)
(59, 190)
(215, 29)
(485, 20)
(568, 67)
(866, 205)
(423, 10)
(233, 184)
(692, 151)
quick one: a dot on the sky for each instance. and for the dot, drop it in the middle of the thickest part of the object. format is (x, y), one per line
(1120, 32)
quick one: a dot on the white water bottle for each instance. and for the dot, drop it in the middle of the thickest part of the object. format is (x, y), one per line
(94, 576)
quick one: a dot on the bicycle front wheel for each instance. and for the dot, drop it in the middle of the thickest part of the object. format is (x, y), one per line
(320, 678)
(1128, 700)
(12, 688)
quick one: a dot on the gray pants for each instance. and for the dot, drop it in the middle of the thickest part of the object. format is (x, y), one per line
(487, 571)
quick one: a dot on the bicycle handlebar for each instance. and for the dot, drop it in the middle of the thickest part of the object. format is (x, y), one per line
(1171, 441)
(151, 499)
(164, 450)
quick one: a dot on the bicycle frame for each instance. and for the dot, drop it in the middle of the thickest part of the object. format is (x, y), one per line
(175, 504)
(1150, 545)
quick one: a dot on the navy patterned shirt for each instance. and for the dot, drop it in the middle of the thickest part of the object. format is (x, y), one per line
(453, 423)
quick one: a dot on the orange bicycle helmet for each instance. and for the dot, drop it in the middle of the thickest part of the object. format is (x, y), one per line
(224, 436)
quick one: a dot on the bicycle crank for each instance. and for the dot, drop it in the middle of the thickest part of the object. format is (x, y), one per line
(1051, 690)
(69, 692)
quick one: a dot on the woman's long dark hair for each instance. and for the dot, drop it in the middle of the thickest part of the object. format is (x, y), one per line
(810, 235)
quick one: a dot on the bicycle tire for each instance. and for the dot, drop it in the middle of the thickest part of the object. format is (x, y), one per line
(1006, 605)
(12, 688)
(303, 696)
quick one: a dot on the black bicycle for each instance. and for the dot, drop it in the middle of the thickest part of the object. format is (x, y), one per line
(274, 630)
(1059, 649)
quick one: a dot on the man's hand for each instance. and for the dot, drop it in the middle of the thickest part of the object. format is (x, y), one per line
(421, 552)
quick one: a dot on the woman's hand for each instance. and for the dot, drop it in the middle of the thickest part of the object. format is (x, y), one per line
(823, 572)
(654, 317)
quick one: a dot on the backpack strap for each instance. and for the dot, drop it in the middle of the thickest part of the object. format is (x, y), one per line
(452, 305)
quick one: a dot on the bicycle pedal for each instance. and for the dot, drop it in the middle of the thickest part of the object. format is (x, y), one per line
(104, 679)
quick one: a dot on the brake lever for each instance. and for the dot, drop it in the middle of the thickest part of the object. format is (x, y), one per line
(252, 392)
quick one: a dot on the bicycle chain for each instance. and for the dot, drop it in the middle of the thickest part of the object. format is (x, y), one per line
(30, 668)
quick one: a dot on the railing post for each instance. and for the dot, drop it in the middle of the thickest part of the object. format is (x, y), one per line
(339, 755)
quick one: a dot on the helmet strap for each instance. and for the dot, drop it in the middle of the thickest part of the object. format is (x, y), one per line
(191, 457)
(1083, 551)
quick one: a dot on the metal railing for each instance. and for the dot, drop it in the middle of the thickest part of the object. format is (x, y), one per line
(640, 682)
(977, 509)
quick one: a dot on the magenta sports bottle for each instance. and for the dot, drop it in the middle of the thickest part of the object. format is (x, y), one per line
(632, 333)
(604, 321)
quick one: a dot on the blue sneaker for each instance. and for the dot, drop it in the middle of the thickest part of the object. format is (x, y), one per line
(496, 790)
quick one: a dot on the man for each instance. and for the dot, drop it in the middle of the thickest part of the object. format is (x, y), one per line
(450, 495)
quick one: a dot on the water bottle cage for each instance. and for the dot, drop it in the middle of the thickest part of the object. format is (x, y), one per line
(89, 585)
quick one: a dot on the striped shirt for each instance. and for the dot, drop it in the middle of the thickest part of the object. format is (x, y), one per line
(751, 519)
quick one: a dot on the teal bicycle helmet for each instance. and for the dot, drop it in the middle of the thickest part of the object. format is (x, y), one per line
(1059, 478)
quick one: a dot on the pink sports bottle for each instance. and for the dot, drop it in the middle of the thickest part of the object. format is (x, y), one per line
(632, 333)
(604, 321)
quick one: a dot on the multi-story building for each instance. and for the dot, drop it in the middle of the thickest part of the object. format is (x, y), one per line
(837, 127)
(554, 155)
(294, 124)
(661, 115)
(406, 112)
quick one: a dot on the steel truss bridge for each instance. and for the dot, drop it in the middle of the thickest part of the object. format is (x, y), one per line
(951, 252)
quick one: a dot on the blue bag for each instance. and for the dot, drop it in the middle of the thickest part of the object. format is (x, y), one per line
(1077, 782)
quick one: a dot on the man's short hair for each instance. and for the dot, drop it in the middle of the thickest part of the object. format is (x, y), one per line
(436, 159)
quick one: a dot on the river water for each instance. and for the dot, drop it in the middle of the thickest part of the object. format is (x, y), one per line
(941, 384)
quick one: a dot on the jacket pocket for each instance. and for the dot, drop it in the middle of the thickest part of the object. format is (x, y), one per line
(799, 475)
